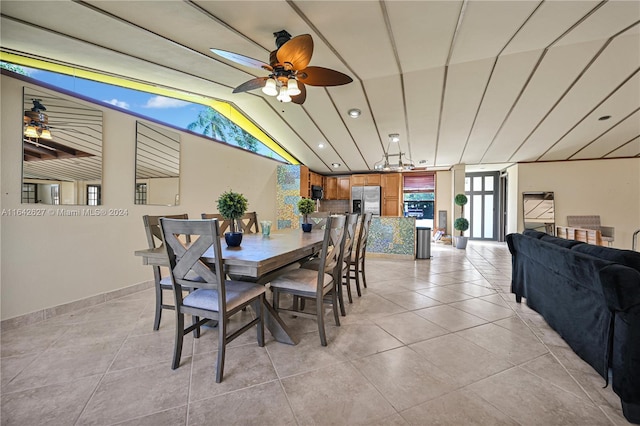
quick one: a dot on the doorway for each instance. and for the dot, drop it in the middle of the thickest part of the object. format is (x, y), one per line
(482, 191)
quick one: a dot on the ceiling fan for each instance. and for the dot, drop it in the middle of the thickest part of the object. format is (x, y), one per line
(289, 70)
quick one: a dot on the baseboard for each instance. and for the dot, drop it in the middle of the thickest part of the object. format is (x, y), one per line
(47, 313)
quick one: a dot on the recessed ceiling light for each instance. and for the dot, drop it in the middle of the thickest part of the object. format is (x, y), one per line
(354, 113)
(335, 165)
(604, 117)
(320, 145)
(422, 161)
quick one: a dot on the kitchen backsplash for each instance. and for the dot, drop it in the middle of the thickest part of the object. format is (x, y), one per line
(334, 206)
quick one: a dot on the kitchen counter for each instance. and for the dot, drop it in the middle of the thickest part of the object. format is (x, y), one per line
(391, 236)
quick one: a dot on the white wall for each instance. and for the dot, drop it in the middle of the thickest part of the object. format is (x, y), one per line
(514, 202)
(52, 260)
(444, 200)
(609, 188)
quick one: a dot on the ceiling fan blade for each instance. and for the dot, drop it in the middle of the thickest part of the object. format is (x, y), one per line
(241, 59)
(254, 83)
(319, 76)
(299, 99)
(297, 52)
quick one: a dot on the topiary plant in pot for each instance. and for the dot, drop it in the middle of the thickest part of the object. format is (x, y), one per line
(305, 207)
(461, 224)
(232, 206)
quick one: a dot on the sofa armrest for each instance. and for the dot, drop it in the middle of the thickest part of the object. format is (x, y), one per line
(621, 287)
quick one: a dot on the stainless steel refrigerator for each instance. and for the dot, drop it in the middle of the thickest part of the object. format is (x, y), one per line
(365, 199)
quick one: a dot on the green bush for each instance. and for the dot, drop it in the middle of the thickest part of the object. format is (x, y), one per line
(461, 224)
(306, 206)
(232, 206)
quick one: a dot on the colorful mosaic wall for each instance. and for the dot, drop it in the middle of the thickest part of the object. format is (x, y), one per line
(288, 193)
(392, 235)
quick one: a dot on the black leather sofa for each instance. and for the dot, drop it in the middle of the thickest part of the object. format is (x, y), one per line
(591, 296)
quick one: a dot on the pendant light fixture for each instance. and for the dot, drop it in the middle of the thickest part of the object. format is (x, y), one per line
(403, 163)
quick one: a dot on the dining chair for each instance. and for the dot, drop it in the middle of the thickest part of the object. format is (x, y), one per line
(223, 223)
(319, 285)
(314, 262)
(357, 259)
(214, 297)
(248, 222)
(154, 239)
(318, 220)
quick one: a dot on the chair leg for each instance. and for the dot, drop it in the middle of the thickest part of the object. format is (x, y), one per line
(347, 283)
(222, 345)
(196, 332)
(334, 306)
(337, 289)
(177, 346)
(320, 318)
(364, 277)
(258, 308)
(156, 321)
(356, 275)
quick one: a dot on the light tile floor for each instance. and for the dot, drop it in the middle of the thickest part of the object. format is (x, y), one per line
(437, 341)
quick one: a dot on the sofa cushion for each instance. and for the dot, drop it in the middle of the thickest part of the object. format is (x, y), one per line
(533, 233)
(624, 257)
(562, 242)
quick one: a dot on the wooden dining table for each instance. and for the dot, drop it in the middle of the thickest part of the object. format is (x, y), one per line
(258, 259)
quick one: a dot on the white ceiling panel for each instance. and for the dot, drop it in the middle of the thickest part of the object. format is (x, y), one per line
(558, 69)
(550, 21)
(605, 22)
(423, 92)
(463, 90)
(598, 82)
(618, 106)
(381, 45)
(508, 78)
(497, 22)
(423, 32)
(630, 148)
(612, 140)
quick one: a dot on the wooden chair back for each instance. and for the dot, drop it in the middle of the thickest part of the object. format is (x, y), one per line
(248, 222)
(318, 220)
(152, 228)
(331, 255)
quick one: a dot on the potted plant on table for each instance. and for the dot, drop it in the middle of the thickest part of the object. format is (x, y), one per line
(461, 224)
(306, 206)
(232, 206)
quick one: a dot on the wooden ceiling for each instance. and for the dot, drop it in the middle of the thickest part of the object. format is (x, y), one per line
(484, 83)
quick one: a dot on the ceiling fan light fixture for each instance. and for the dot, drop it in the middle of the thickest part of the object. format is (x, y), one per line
(46, 134)
(292, 87)
(270, 87)
(31, 131)
(394, 137)
(284, 95)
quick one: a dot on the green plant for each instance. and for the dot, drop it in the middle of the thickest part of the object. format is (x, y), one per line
(306, 206)
(232, 206)
(461, 224)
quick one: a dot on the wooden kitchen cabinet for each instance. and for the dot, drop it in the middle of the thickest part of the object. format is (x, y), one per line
(315, 179)
(337, 188)
(344, 188)
(368, 179)
(391, 194)
(330, 188)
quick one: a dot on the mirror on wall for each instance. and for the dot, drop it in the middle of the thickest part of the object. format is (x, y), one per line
(539, 211)
(61, 150)
(157, 165)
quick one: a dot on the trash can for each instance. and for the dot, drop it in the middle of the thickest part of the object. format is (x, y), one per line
(423, 240)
